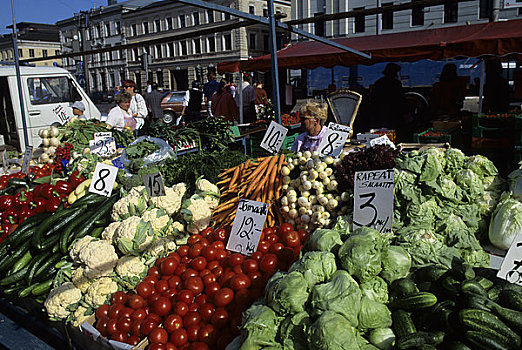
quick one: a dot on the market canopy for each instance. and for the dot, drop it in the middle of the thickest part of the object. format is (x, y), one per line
(494, 38)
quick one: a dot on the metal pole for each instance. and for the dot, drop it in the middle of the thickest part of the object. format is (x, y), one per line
(273, 53)
(84, 57)
(481, 87)
(19, 79)
(495, 11)
(240, 97)
(146, 65)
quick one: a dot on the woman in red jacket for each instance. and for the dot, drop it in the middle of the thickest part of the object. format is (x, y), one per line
(223, 104)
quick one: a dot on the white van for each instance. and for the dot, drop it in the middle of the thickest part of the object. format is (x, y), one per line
(48, 93)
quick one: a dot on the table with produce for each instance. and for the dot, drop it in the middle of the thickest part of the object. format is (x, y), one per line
(152, 267)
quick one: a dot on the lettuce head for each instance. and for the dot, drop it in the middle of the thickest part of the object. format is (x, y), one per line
(316, 267)
(287, 293)
(396, 263)
(332, 331)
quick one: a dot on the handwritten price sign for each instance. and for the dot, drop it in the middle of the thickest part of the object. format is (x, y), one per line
(274, 137)
(103, 179)
(511, 269)
(154, 184)
(104, 144)
(373, 199)
(332, 143)
(61, 114)
(338, 127)
(247, 227)
(27, 159)
(383, 140)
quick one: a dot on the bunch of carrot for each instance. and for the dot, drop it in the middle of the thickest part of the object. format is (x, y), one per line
(258, 180)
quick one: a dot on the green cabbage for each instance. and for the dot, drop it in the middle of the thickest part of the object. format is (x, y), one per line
(375, 289)
(373, 315)
(325, 240)
(316, 267)
(396, 263)
(481, 165)
(259, 329)
(287, 293)
(332, 331)
(292, 332)
(382, 338)
(506, 222)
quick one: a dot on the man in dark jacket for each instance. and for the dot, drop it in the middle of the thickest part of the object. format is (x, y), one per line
(192, 103)
(153, 100)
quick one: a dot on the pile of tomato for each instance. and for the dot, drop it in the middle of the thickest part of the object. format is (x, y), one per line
(194, 297)
(290, 119)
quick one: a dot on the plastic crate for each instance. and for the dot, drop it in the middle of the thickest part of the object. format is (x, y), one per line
(443, 138)
(491, 143)
(289, 141)
(502, 120)
(487, 132)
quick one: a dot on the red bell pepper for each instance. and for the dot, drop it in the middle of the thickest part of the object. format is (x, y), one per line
(63, 187)
(22, 199)
(6, 202)
(52, 204)
(75, 179)
(10, 217)
(46, 191)
(39, 205)
(24, 213)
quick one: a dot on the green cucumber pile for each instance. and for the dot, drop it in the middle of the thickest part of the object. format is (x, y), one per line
(456, 309)
(32, 256)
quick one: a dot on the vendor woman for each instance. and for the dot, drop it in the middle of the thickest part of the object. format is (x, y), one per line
(313, 115)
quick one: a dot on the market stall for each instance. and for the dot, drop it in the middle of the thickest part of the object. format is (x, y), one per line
(132, 243)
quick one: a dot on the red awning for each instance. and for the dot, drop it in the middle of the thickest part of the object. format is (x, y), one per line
(495, 38)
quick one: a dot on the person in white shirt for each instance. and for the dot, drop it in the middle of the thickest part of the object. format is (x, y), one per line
(249, 97)
(138, 106)
(120, 117)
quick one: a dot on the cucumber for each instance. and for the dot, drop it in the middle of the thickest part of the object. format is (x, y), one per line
(35, 264)
(416, 340)
(484, 282)
(450, 286)
(512, 318)
(22, 262)
(43, 287)
(474, 301)
(15, 255)
(89, 199)
(471, 286)
(55, 223)
(97, 231)
(420, 300)
(511, 299)
(14, 277)
(402, 323)
(481, 341)
(13, 290)
(430, 273)
(19, 235)
(461, 270)
(488, 323)
(66, 233)
(494, 292)
(402, 287)
(457, 345)
(48, 264)
(26, 291)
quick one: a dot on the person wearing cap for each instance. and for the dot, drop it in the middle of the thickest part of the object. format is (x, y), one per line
(313, 114)
(78, 109)
(387, 99)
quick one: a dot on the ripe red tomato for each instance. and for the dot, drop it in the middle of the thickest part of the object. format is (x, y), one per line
(223, 297)
(276, 248)
(115, 310)
(174, 281)
(158, 335)
(220, 235)
(126, 312)
(155, 296)
(185, 295)
(225, 278)
(179, 337)
(102, 311)
(157, 346)
(154, 272)
(209, 278)
(194, 239)
(169, 293)
(124, 324)
(212, 264)
(170, 346)
(273, 238)
(199, 263)
(136, 301)
(168, 266)
(256, 279)
(173, 322)
(218, 271)
(212, 288)
(290, 238)
(195, 250)
(240, 281)
(180, 308)
(136, 327)
(190, 272)
(206, 311)
(154, 317)
(207, 232)
(151, 280)
(162, 306)
(182, 267)
(101, 325)
(201, 299)
(138, 314)
(204, 272)
(209, 252)
(183, 250)
(302, 234)
(119, 336)
(161, 286)
(256, 256)
(250, 265)
(194, 307)
(133, 340)
(112, 326)
(238, 269)
(119, 298)
(204, 242)
(198, 346)
(207, 334)
(193, 332)
(235, 259)
(147, 325)
(191, 318)
(268, 263)
(285, 227)
(269, 231)
(220, 318)
(263, 247)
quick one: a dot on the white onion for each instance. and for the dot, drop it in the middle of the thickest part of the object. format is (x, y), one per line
(302, 201)
(307, 185)
(307, 154)
(285, 209)
(284, 200)
(292, 213)
(285, 171)
(302, 211)
(286, 180)
(292, 198)
(46, 142)
(54, 142)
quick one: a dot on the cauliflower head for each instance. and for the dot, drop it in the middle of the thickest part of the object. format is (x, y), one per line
(212, 202)
(158, 218)
(161, 247)
(130, 266)
(108, 232)
(172, 200)
(61, 300)
(134, 235)
(197, 214)
(99, 258)
(100, 290)
(79, 279)
(129, 205)
(78, 246)
(79, 317)
(203, 185)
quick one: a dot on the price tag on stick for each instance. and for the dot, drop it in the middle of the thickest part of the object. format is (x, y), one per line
(104, 147)
(332, 143)
(154, 184)
(27, 159)
(373, 199)
(511, 269)
(247, 227)
(274, 137)
(103, 179)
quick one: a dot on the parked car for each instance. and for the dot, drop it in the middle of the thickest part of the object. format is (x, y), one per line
(102, 97)
(172, 105)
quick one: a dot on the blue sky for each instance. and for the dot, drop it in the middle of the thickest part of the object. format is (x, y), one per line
(43, 11)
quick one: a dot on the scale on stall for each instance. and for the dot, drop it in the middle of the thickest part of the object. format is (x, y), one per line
(344, 105)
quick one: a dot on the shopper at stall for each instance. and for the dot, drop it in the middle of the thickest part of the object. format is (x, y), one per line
(120, 116)
(448, 93)
(313, 114)
(223, 104)
(154, 102)
(191, 111)
(261, 96)
(249, 97)
(496, 89)
(209, 89)
(78, 109)
(138, 106)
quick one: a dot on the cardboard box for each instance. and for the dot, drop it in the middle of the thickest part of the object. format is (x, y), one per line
(101, 342)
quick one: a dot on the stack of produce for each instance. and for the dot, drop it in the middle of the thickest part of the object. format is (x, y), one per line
(260, 180)
(197, 294)
(137, 151)
(333, 297)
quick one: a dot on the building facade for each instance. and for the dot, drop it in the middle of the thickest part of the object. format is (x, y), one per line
(34, 40)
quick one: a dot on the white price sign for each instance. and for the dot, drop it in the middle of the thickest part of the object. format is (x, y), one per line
(373, 199)
(104, 147)
(247, 227)
(339, 127)
(103, 179)
(102, 135)
(383, 140)
(332, 143)
(511, 269)
(154, 184)
(61, 114)
(274, 137)
(27, 159)
(366, 137)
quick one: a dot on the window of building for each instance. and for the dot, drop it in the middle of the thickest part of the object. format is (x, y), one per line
(157, 25)
(56, 52)
(170, 25)
(44, 53)
(359, 21)
(135, 54)
(252, 38)
(227, 40)
(211, 44)
(97, 33)
(485, 8)
(134, 30)
(387, 17)
(195, 18)
(108, 29)
(226, 16)
(210, 16)
(451, 12)
(265, 12)
(170, 49)
(319, 25)
(159, 78)
(417, 15)
(266, 39)
(252, 9)
(158, 51)
(112, 80)
(31, 52)
(182, 23)
(183, 47)
(145, 27)
(197, 46)
(117, 26)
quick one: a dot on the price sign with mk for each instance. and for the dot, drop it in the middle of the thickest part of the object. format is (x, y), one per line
(511, 269)
(332, 143)
(154, 184)
(247, 227)
(373, 199)
(274, 137)
(103, 179)
(104, 147)
(61, 114)
(27, 159)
